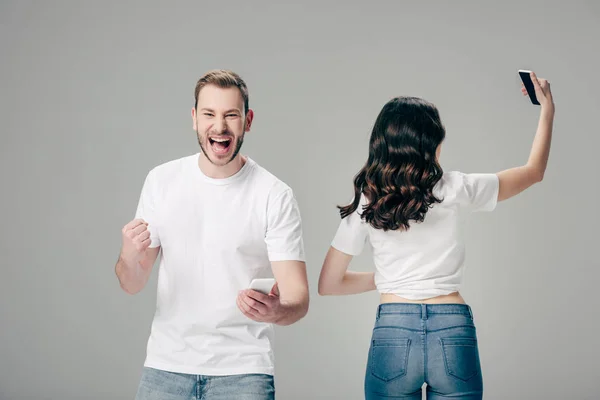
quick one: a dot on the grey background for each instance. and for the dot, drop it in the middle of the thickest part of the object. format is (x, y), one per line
(94, 94)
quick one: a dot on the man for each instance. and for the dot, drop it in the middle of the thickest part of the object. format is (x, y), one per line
(218, 220)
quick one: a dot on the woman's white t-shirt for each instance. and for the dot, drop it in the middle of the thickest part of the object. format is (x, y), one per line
(428, 259)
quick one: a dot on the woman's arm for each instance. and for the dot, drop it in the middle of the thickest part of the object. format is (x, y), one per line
(515, 180)
(336, 280)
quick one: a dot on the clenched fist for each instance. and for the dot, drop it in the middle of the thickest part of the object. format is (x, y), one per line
(136, 239)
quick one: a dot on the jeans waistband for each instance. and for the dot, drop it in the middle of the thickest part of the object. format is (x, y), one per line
(424, 309)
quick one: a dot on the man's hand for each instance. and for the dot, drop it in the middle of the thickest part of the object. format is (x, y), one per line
(260, 307)
(135, 240)
(136, 258)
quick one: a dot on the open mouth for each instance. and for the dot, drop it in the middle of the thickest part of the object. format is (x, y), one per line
(220, 145)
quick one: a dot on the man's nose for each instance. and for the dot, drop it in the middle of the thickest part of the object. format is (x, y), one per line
(220, 125)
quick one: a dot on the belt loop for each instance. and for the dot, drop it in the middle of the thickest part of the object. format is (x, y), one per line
(378, 313)
(198, 387)
(424, 311)
(470, 312)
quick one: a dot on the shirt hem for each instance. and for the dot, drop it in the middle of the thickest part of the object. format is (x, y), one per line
(191, 370)
(345, 249)
(286, 257)
(493, 203)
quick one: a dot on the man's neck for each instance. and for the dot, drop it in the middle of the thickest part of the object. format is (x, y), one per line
(221, 172)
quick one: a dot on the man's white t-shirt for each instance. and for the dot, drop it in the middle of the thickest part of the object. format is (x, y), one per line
(216, 235)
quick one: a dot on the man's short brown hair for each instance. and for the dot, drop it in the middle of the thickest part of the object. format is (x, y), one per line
(223, 79)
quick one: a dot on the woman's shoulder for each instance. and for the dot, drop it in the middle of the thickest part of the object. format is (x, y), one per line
(475, 190)
(450, 182)
(452, 187)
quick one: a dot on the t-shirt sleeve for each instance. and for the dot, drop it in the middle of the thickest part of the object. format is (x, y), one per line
(479, 192)
(352, 233)
(284, 228)
(146, 208)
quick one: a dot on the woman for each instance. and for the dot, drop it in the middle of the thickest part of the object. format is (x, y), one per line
(410, 211)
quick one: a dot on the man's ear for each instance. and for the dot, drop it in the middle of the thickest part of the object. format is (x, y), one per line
(249, 119)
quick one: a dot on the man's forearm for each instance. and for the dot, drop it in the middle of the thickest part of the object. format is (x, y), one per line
(292, 312)
(132, 276)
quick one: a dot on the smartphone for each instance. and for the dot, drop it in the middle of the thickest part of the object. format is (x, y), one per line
(526, 78)
(263, 285)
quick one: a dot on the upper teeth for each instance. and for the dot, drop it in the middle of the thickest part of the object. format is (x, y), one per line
(220, 140)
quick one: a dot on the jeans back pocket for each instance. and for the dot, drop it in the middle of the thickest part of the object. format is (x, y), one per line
(461, 357)
(389, 358)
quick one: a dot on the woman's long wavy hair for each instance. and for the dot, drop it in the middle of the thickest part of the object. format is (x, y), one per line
(402, 168)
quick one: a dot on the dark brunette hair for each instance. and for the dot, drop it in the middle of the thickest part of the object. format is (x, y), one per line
(402, 169)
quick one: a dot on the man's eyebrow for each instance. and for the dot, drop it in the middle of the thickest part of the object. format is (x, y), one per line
(236, 110)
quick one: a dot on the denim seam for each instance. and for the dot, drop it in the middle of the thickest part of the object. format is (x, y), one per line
(466, 314)
(395, 327)
(198, 387)
(453, 327)
(424, 338)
